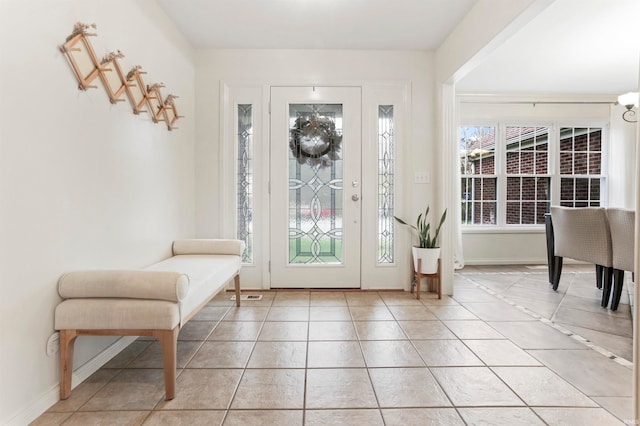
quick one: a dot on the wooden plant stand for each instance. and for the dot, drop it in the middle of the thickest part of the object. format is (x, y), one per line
(430, 277)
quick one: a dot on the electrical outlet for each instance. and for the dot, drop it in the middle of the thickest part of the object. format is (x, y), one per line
(422, 177)
(53, 344)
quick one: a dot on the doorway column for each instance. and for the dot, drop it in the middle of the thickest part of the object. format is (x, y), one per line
(448, 197)
(636, 295)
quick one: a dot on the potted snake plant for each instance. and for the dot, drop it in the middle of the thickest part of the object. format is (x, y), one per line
(427, 248)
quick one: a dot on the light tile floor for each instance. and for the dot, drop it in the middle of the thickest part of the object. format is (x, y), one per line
(506, 350)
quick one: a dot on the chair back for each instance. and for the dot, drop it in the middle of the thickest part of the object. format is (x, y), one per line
(582, 233)
(622, 226)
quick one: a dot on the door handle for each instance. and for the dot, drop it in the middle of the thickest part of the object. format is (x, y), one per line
(355, 197)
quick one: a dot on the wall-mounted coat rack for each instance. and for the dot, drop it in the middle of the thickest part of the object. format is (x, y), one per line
(86, 67)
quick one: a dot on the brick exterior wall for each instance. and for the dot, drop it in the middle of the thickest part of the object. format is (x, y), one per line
(581, 159)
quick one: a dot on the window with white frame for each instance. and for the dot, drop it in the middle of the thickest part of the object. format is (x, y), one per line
(580, 166)
(510, 175)
(527, 174)
(479, 178)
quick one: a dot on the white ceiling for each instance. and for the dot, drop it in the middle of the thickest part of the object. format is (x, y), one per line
(316, 24)
(573, 46)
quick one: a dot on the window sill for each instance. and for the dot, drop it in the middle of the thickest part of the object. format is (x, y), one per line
(529, 229)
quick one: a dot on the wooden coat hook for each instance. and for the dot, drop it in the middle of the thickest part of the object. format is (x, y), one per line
(86, 67)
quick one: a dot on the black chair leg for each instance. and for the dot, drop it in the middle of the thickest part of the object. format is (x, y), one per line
(618, 281)
(550, 246)
(599, 275)
(557, 271)
(606, 286)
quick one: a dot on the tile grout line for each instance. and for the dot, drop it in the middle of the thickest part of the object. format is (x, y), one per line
(575, 336)
(244, 370)
(364, 358)
(306, 365)
(550, 323)
(564, 295)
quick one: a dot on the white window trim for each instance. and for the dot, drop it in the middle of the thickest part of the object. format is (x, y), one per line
(502, 177)
(554, 169)
(495, 174)
(604, 169)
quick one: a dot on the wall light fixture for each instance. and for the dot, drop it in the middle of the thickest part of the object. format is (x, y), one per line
(630, 101)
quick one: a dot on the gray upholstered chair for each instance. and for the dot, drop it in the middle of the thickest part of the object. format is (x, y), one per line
(622, 226)
(582, 233)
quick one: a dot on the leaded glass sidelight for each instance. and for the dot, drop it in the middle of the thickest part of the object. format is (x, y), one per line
(386, 175)
(315, 184)
(245, 181)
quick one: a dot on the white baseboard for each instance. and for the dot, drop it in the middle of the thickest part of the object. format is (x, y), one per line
(83, 373)
(511, 261)
(50, 397)
(493, 261)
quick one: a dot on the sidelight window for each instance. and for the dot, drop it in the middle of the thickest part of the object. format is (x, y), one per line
(244, 211)
(386, 175)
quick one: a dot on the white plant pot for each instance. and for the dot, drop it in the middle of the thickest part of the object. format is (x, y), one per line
(429, 258)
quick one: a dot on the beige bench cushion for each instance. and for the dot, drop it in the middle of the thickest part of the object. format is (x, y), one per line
(208, 274)
(134, 284)
(208, 246)
(116, 314)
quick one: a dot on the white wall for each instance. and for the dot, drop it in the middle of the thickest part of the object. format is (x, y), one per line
(83, 183)
(472, 41)
(308, 67)
(521, 247)
(622, 160)
(488, 24)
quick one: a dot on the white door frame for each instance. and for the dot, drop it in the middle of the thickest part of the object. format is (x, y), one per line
(346, 273)
(373, 274)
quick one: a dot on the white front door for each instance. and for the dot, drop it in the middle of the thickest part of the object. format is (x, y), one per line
(315, 187)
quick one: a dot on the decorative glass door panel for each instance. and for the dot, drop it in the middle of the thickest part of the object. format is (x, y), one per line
(315, 184)
(315, 187)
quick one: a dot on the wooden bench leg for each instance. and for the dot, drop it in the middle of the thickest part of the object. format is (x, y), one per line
(418, 279)
(169, 341)
(439, 278)
(236, 280)
(67, 341)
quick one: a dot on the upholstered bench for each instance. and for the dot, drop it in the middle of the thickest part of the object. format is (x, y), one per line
(156, 301)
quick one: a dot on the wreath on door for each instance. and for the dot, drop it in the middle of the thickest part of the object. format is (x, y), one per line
(315, 141)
